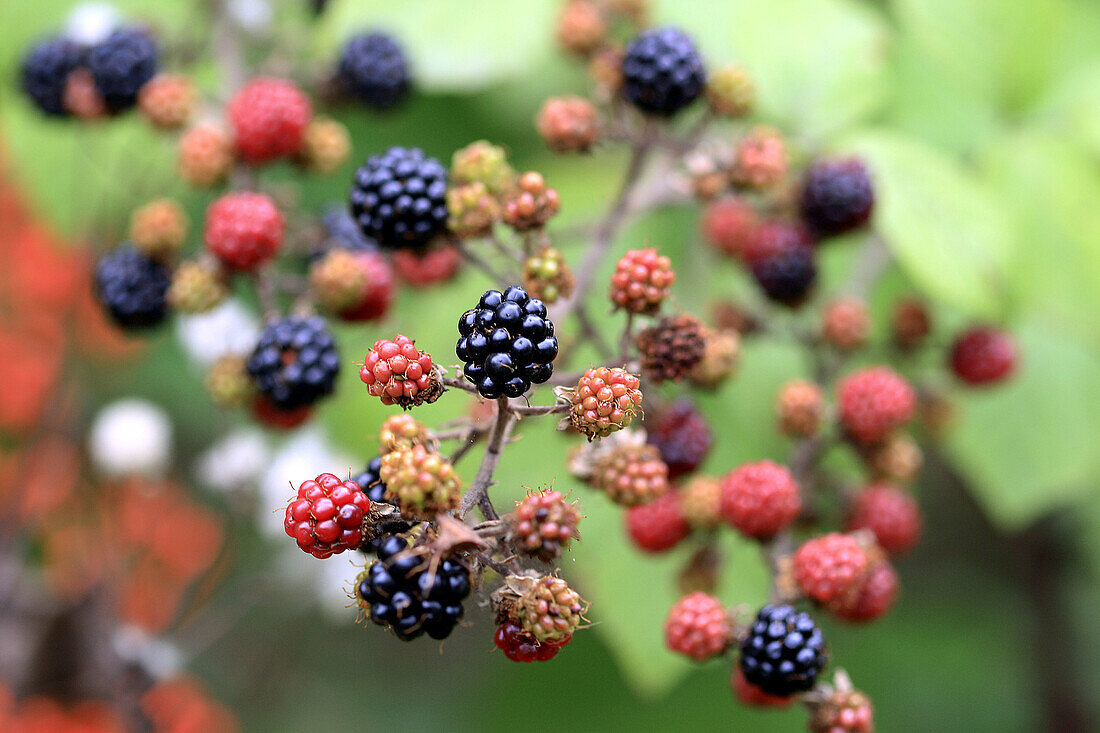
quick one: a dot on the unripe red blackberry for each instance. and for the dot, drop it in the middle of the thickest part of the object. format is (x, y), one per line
(759, 499)
(698, 626)
(890, 514)
(159, 228)
(873, 402)
(401, 431)
(471, 210)
(543, 524)
(844, 711)
(829, 567)
(581, 26)
(326, 145)
(983, 356)
(911, 323)
(872, 598)
(205, 155)
(836, 196)
(897, 459)
(657, 526)
(729, 225)
(701, 502)
(720, 356)
(243, 229)
(168, 100)
(483, 162)
(568, 124)
(228, 383)
(761, 159)
(750, 694)
(672, 347)
(631, 474)
(531, 203)
(641, 281)
(438, 264)
(420, 483)
(269, 118)
(197, 287)
(549, 610)
(327, 515)
(400, 374)
(730, 91)
(846, 323)
(800, 406)
(355, 285)
(519, 646)
(605, 399)
(267, 413)
(682, 435)
(547, 276)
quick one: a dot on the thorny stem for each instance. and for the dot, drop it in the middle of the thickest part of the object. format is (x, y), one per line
(479, 492)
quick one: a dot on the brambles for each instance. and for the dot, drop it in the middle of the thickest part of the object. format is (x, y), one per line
(800, 407)
(530, 204)
(196, 287)
(698, 626)
(549, 610)
(121, 64)
(46, 67)
(846, 324)
(519, 646)
(546, 276)
(874, 401)
(268, 117)
(630, 474)
(672, 347)
(730, 91)
(400, 374)
(871, 598)
(419, 482)
(787, 276)
(544, 524)
(374, 70)
(784, 651)
(836, 196)
(568, 124)
(827, 568)
(890, 514)
(662, 71)
(682, 435)
(205, 155)
(159, 228)
(658, 525)
(243, 229)
(506, 343)
(168, 100)
(760, 499)
(398, 198)
(327, 516)
(354, 285)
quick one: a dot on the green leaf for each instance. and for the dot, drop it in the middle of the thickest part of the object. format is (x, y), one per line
(819, 65)
(944, 226)
(1029, 446)
(453, 45)
(1072, 108)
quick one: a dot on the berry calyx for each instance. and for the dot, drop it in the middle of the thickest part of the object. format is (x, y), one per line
(605, 399)
(420, 482)
(829, 567)
(543, 524)
(662, 71)
(890, 514)
(873, 402)
(657, 526)
(698, 626)
(783, 652)
(326, 517)
(398, 373)
(837, 196)
(672, 347)
(682, 435)
(641, 281)
(243, 229)
(268, 117)
(759, 499)
(983, 356)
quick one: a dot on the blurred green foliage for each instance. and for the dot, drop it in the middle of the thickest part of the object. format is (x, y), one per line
(981, 122)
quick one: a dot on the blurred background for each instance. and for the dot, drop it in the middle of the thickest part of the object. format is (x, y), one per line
(981, 122)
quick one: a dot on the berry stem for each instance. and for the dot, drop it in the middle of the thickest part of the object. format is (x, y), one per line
(479, 492)
(479, 262)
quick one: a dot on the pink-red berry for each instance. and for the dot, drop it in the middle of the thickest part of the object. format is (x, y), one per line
(729, 225)
(641, 281)
(772, 238)
(519, 646)
(437, 265)
(544, 523)
(760, 499)
(846, 323)
(327, 515)
(750, 694)
(657, 526)
(605, 399)
(269, 117)
(568, 124)
(243, 229)
(890, 514)
(872, 598)
(398, 373)
(698, 626)
(983, 356)
(355, 285)
(205, 155)
(827, 568)
(873, 402)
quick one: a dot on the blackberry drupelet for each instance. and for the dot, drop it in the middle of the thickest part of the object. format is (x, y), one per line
(133, 287)
(787, 276)
(121, 65)
(46, 67)
(836, 196)
(401, 592)
(373, 68)
(662, 71)
(295, 362)
(784, 651)
(398, 198)
(506, 343)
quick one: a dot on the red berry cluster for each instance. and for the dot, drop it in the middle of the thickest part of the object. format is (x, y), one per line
(326, 518)
(872, 402)
(760, 499)
(398, 373)
(698, 626)
(269, 118)
(641, 281)
(243, 229)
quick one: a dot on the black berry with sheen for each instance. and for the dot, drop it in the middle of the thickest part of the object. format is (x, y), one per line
(506, 343)
(121, 65)
(784, 651)
(45, 68)
(788, 275)
(662, 71)
(133, 287)
(373, 69)
(295, 362)
(398, 198)
(837, 196)
(401, 591)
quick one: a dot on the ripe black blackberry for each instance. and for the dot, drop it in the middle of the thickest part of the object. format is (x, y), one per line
(295, 362)
(784, 651)
(120, 66)
(398, 198)
(133, 287)
(46, 67)
(836, 196)
(662, 71)
(400, 591)
(506, 343)
(373, 69)
(787, 276)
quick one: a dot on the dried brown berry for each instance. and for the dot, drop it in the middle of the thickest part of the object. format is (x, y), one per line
(672, 347)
